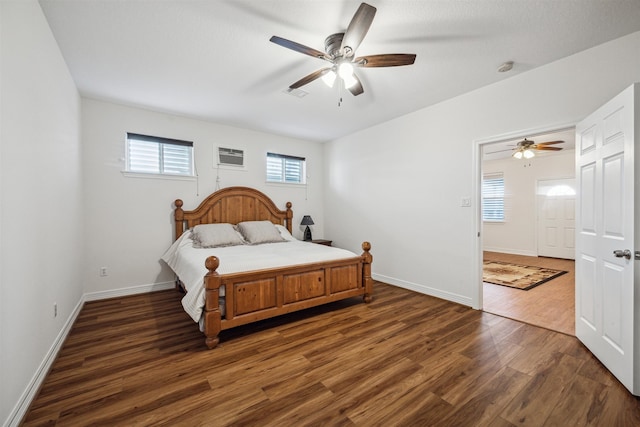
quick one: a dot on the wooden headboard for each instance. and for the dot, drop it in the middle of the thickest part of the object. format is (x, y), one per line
(232, 205)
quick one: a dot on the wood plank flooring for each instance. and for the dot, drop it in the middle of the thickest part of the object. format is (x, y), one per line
(406, 359)
(550, 305)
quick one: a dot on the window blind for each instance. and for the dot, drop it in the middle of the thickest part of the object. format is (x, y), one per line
(157, 155)
(286, 169)
(493, 197)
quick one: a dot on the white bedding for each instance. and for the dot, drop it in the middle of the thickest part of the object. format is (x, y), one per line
(188, 262)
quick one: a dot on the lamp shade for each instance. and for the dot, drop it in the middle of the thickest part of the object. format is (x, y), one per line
(329, 78)
(306, 220)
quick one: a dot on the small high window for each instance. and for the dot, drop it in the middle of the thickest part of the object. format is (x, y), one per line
(160, 156)
(285, 169)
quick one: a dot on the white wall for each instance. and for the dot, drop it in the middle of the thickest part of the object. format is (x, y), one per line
(399, 184)
(129, 221)
(518, 233)
(41, 210)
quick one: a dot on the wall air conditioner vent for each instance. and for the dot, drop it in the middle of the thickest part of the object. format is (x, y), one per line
(230, 157)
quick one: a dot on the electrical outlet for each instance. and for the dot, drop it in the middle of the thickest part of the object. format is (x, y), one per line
(103, 271)
(55, 309)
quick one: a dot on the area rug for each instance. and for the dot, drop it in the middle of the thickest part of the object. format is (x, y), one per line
(517, 276)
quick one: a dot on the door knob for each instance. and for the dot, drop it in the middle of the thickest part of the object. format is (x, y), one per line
(622, 254)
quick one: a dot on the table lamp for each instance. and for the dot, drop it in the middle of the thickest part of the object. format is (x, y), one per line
(306, 220)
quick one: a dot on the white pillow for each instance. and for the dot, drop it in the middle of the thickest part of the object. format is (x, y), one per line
(285, 233)
(215, 235)
(256, 232)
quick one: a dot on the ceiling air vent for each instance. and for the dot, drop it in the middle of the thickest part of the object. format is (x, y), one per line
(230, 157)
(298, 93)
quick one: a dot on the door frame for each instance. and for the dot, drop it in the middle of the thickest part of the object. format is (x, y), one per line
(476, 198)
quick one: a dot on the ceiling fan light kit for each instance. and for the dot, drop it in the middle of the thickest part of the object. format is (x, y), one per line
(329, 78)
(340, 51)
(345, 71)
(524, 153)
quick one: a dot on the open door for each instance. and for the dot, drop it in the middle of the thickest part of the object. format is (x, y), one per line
(607, 296)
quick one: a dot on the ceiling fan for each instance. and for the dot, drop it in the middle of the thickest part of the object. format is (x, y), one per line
(524, 148)
(340, 51)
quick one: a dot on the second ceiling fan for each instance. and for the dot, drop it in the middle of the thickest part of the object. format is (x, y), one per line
(524, 148)
(340, 51)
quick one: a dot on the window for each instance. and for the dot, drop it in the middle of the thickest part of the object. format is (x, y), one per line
(561, 190)
(285, 169)
(493, 197)
(156, 155)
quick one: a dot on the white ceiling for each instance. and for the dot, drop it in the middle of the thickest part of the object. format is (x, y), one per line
(212, 59)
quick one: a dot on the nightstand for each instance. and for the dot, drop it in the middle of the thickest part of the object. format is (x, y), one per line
(322, 242)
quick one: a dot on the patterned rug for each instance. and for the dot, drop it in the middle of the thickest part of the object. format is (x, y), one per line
(517, 276)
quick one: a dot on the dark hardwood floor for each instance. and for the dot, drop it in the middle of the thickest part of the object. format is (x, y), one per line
(406, 359)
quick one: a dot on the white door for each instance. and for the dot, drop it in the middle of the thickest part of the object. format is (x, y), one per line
(556, 200)
(607, 298)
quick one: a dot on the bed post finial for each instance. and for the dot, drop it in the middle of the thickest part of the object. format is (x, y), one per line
(178, 216)
(289, 217)
(212, 263)
(212, 314)
(366, 272)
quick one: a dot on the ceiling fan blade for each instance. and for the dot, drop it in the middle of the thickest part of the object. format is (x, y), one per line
(356, 89)
(549, 143)
(311, 77)
(547, 148)
(386, 60)
(299, 47)
(357, 29)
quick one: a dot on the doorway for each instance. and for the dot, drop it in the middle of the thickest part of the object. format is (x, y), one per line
(520, 239)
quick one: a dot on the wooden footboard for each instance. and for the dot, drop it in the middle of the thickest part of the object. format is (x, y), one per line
(262, 294)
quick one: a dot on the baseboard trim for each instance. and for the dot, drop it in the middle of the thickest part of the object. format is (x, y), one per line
(427, 290)
(21, 408)
(133, 290)
(511, 251)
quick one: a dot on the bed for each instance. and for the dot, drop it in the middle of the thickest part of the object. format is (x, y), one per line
(236, 284)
